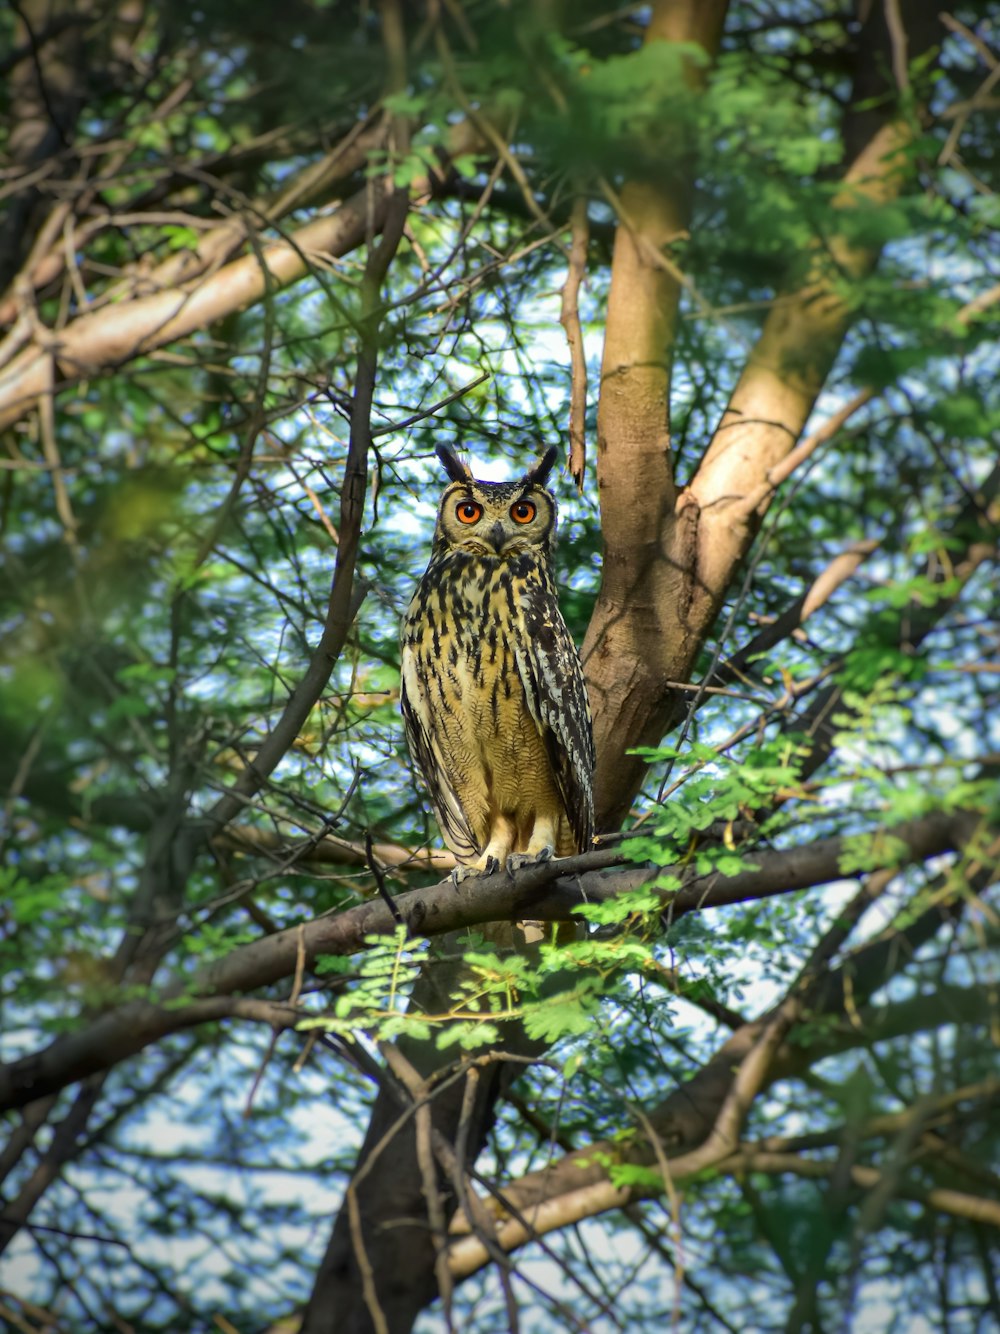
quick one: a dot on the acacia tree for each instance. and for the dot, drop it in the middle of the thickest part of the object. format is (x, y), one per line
(253, 272)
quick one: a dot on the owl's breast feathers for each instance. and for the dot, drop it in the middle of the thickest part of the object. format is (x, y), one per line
(494, 702)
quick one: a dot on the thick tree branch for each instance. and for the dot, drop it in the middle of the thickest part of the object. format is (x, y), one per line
(547, 892)
(671, 554)
(88, 217)
(624, 645)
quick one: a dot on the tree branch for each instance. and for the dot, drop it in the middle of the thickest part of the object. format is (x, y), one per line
(569, 318)
(578, 1187)
(546, 891)
(626, 647)
(670, 553)
(93, 343)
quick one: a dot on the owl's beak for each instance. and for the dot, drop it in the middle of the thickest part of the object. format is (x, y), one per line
(497, 536)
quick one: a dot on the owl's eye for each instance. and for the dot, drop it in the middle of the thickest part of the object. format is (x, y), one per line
(523, 512)
(468, 511)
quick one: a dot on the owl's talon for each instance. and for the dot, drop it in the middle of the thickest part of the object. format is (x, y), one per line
(518, 859)
(460, 873)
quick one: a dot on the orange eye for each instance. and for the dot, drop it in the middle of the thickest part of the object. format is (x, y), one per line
(523, 512)
(468, 511)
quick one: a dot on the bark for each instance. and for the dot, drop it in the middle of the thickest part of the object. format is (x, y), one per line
(213, 247)
(671, 552)
(626, 647)
(92, 344)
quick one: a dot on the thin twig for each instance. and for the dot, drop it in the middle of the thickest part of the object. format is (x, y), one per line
(423, 1129)
(395, 427)
(808, 446)
(897, 36)
(470, 1203)
(364, 1264)
(674, 1201)
(379, 877)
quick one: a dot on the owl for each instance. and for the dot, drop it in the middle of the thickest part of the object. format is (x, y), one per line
(493, 696)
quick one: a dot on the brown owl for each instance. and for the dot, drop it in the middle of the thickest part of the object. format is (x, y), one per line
(493, 696)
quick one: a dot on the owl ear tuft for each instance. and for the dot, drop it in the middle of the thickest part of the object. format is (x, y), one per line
(538, 475)
(453, 466)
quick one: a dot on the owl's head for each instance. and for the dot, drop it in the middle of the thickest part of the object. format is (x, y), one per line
(495, 518)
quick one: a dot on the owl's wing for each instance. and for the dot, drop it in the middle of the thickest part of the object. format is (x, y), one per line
(549, 666)
(431, 762)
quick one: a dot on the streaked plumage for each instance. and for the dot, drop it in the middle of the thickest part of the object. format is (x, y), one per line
(493, 697)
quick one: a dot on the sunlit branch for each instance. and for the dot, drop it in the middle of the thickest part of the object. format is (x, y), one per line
(98, 342)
